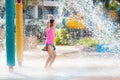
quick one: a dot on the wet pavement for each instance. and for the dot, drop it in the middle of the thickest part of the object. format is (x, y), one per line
(70, 64)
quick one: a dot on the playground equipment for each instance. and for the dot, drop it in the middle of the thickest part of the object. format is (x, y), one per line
(111, 48)
(79, 22)
(74, 22)
(10, 33)
(10, 37)
(19, 32)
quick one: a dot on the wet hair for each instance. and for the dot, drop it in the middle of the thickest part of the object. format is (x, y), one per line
(51, 22)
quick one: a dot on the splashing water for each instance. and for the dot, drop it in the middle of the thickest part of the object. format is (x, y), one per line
(104, 30)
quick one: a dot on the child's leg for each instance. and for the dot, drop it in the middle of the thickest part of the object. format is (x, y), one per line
(53, 58)
(49, 57)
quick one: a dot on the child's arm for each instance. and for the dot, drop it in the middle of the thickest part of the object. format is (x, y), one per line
(48, 25)
(48, 17)
(48, 22)
(54, 23)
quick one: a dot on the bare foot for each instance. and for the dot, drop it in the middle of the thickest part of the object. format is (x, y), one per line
(51, 67)
(46, 67)
(11, 69)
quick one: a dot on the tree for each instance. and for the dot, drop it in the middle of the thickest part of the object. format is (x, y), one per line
(43, 9)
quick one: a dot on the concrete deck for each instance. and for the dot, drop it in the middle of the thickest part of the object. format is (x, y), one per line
(69, 65)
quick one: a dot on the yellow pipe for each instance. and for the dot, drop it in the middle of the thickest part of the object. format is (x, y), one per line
(19, 32)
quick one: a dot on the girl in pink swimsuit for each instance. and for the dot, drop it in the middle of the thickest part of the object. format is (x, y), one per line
(49, 43)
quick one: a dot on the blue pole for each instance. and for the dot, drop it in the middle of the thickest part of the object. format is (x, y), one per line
(10, 30)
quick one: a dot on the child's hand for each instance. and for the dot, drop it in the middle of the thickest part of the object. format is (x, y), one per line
(52, 16)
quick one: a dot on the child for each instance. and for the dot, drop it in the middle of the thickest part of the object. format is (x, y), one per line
(49, 43)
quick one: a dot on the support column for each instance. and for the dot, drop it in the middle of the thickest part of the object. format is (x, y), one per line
(36, 11)
(10, 37)
(19, 33)
(42, 9)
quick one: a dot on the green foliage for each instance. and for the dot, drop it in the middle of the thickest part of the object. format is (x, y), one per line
(61, 37)
(34, 26)
(89, 42)
(110, 5)
(113, 5)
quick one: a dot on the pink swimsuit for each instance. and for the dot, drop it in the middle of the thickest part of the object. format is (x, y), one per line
(50, 36)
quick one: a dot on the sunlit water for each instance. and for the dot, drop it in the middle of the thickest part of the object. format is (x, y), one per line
(103, 28)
